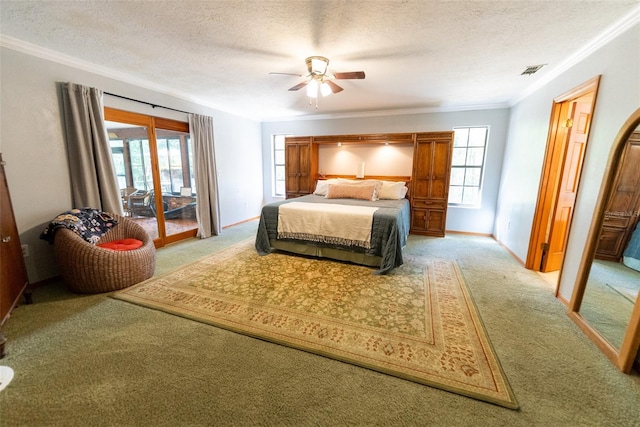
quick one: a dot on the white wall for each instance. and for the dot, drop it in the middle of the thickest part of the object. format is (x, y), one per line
(391, 160)
(32, 144)
(619, 95)
(480, 220)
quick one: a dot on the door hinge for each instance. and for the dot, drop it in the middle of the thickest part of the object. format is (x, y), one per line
(545, 252)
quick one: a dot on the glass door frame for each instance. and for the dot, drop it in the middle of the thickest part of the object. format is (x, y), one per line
(151, 123)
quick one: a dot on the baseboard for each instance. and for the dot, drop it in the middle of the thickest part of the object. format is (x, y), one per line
(241, 222)
(562, 299)
(469, 233)
(510, 252)
(44, 282)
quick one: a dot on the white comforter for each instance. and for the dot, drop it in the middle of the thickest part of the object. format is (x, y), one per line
(327, 223)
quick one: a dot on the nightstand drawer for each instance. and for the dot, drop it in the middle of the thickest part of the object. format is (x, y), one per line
(420, 203)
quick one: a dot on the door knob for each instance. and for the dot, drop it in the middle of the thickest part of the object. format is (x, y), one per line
(6, 239)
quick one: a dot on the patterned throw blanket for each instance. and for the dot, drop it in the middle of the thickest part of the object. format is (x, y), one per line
(88, 223)
(327, 223)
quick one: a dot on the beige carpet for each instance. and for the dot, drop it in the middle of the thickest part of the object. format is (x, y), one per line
(630, 294)
(417, 323)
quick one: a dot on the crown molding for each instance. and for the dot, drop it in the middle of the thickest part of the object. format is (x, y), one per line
(383, 113)
(63, 59)
(605, 37)
(70, 61)
(609, 34)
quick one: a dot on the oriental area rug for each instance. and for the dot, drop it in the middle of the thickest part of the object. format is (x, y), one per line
(418, 322)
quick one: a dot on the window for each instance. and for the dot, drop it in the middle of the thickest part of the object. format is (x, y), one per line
(175, 156)
(140, 163)
(117, 154)
(277, 143)
(131, 156)
(467, 166)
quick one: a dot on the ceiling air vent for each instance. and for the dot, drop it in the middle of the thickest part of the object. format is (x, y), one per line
(531, 69)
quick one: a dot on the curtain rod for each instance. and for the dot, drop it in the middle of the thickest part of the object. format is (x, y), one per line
(145, 102)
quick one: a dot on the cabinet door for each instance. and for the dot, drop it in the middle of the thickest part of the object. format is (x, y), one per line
(440, 170)
(298, 168)
(432, 166)
(292, 166)
(624, 205)
(13, 274)
(428, 221)
(304, 164)
(422, 161)
(610, 246)
(624, 200)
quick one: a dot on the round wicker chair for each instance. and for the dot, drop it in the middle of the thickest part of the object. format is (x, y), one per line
(90, 269)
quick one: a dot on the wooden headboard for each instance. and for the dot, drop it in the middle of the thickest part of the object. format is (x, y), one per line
(406, 179)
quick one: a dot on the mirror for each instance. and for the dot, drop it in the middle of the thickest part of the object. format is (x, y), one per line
(605, 302)
(608, 300)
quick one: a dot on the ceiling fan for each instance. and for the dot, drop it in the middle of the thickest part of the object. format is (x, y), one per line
(318, 80)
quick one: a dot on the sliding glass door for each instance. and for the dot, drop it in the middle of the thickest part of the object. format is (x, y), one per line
(153, 159)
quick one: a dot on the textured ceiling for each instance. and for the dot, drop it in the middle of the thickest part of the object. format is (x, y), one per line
(417, 55)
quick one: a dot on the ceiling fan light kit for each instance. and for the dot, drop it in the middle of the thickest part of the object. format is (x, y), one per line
(312, 88)
(325, 89)
(317, 64)
(319, 81)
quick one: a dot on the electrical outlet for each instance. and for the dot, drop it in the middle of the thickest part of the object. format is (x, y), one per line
(25, 250)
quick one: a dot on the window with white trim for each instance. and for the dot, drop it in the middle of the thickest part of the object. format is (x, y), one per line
(467, 166)
(277, 171)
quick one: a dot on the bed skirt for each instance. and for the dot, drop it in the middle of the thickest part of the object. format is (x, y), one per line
(332, 253)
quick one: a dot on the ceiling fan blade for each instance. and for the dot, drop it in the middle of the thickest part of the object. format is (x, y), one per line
(349, 75)
(287, 74)
(334, 87)
(299, 86)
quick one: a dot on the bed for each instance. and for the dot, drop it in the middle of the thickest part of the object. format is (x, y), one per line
(631, 255)
(388, 232)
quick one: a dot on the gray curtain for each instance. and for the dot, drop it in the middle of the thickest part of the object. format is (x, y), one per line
(93, 178)
(204, 158)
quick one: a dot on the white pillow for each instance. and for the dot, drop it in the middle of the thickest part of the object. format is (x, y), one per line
(323, 185)
(392, 190)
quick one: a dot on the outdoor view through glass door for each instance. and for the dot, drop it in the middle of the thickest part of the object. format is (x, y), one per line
(153, 159)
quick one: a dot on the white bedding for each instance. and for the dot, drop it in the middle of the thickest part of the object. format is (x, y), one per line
(327, 223)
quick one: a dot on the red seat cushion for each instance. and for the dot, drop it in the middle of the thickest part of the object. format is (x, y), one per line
(122, 245)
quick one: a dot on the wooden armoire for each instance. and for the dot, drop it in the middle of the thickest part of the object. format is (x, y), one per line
(429, 186)
(300, 156)
(623, 209)
(13, 273)
(430, 182)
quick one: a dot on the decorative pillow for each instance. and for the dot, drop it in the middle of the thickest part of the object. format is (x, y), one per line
(122, 244)
(347, 191)
(323, 185)
(365, 182)
(392, 190)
